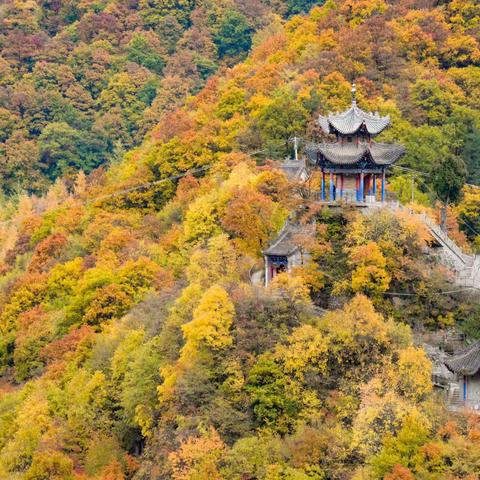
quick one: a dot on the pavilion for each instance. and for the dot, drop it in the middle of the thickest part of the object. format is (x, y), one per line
(354, 162)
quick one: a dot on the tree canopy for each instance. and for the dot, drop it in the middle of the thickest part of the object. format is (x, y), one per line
(134, 341)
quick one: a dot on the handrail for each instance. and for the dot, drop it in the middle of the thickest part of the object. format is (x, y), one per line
(438, 233)
(467, 267)
(468, 272)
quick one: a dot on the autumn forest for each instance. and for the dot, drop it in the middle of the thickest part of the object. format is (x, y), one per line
(141, 144)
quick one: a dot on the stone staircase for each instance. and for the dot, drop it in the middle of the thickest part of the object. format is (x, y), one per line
(466, 267)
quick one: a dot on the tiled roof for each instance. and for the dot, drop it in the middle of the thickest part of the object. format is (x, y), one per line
(386, 154)
(286, 244)
(351, 153)
(350, 122)
(466, 362)
(294, 169)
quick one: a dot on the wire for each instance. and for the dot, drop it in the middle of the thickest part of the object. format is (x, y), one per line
(411, 170)
(468, 226)
(135, 188)
(440, 292)
(148, 184)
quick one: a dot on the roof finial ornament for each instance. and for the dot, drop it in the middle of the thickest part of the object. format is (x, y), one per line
(354, 94)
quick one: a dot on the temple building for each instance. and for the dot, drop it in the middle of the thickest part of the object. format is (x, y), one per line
(354, 163)
(464, 391)
(286, 253)
(295, 170)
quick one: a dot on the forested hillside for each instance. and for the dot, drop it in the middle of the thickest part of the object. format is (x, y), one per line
(82, 81)
(133, 343)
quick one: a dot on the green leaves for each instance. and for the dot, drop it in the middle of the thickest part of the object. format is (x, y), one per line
(234, 34)
(295, 7)
(435, 100)
(145, 53)
(153, 11)
(449, 178)
(280, 119)
(65, 150)
(270, 396)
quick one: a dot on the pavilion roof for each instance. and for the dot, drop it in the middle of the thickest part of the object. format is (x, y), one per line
(380, 154)
(465, 362)
(353, 120)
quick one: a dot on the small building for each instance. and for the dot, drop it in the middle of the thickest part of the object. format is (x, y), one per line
(286, 252)
(295, 170)
(465, 365)
(354, 163)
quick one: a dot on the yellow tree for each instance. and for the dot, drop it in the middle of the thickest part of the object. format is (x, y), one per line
(411, 375)
(217, 263)
(292, 294)
(369, 274)
(359, 10)
(378, 416)
(359, 339)
(210, 327)
(197, 457)
(465, 13)
(206, 334)
(469, 212)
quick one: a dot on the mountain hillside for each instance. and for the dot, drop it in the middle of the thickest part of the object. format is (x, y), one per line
(81, 81)
(133, 343)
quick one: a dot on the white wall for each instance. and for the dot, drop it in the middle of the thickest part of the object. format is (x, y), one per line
(473, 390)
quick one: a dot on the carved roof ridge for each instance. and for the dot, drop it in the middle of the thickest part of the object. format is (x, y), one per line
(350, 121)
(284, 244)
(465, 362)
(382, 154)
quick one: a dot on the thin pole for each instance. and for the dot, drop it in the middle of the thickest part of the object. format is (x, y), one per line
(362, 186)
(383, 186)
(323, 185)
(357, 187)
(267, 279)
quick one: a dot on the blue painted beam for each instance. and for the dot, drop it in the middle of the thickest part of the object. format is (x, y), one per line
(332, 188)
(362, 187)
(383, 186)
